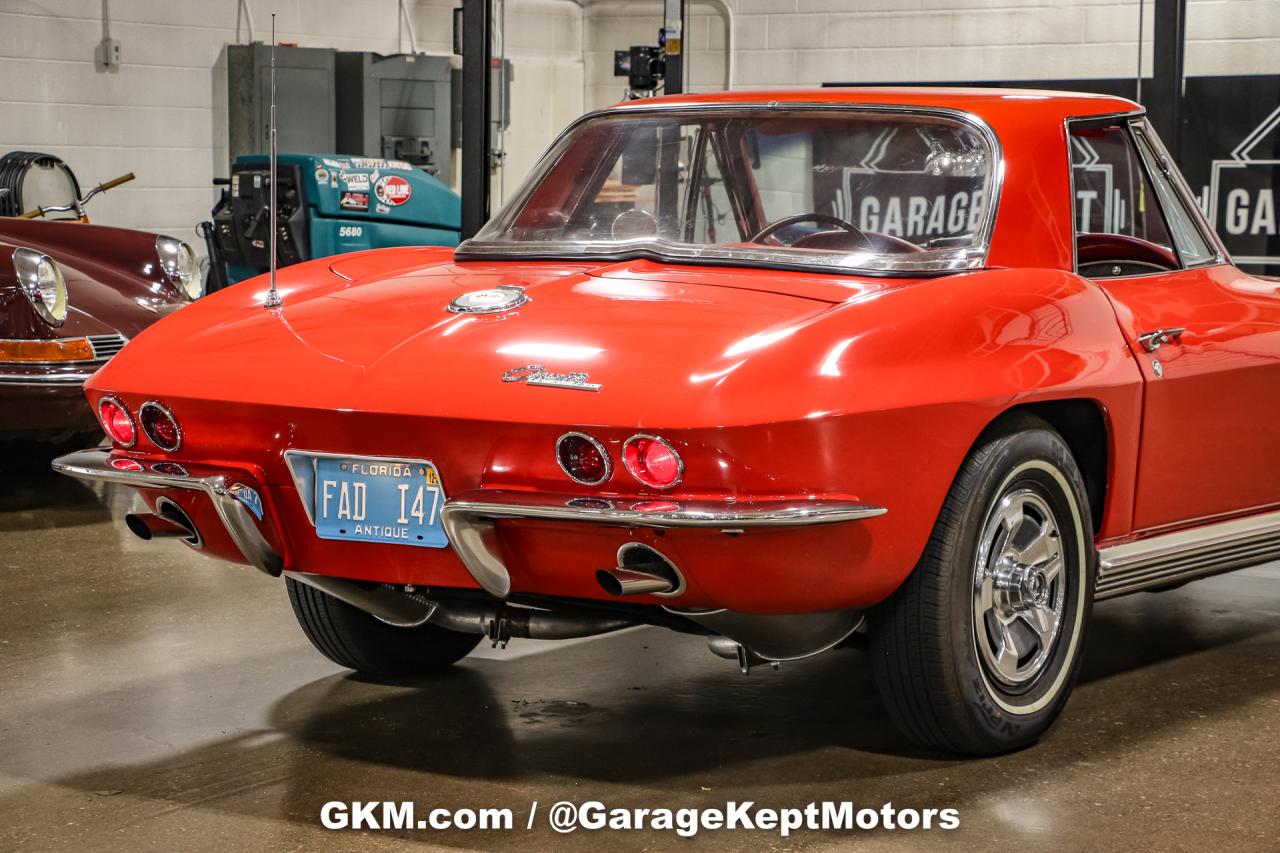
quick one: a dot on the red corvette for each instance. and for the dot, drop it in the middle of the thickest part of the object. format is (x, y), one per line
(942, 366)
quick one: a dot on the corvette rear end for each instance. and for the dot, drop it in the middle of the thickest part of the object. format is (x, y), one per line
(459, 453)
(748, 369)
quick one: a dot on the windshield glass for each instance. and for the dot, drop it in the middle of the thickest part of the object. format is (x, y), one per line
(844, 189)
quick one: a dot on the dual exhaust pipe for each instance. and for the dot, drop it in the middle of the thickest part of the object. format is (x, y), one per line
(170, 521)
(641, 570)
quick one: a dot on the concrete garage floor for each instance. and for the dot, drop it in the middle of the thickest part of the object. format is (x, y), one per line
(151, 699)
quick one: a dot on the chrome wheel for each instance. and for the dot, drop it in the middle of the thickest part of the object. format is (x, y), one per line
(1019, 589)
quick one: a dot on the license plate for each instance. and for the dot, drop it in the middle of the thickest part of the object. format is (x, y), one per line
(379, 500)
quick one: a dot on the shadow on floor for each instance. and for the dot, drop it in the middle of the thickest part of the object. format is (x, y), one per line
(37, 497)
(540, 715)
(652, 714)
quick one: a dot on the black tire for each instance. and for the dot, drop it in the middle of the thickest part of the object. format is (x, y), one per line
(938, 661)
(352, 638)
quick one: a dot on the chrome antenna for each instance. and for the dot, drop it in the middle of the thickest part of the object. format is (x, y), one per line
(273, 298)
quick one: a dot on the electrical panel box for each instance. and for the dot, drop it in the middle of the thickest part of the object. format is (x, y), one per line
(397, 108)
(305, 100)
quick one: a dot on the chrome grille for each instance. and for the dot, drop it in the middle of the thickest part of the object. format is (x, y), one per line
(105, 346)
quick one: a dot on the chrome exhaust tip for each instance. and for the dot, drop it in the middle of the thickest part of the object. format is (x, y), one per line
(630, 582)
(641, 570)
(147, 526)
(170, 523)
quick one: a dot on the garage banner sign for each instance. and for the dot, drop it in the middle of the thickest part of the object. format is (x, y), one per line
(1229, 152)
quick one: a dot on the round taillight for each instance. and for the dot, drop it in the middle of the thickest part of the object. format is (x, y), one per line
(583, 458)
(117, 422)
(652, 461)
(160, 426)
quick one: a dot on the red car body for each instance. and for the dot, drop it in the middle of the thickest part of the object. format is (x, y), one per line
(857, 394)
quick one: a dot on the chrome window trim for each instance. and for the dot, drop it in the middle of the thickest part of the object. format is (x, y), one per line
(854, 263)
(103, 422)
(165, 410)
(1067, 123)
(669, 446)
(1183, 191)
(1157, 167)
(1129, 118)
(608, 460)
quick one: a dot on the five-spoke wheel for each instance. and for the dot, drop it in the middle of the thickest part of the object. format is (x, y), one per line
(977, 651)
(1019, 588)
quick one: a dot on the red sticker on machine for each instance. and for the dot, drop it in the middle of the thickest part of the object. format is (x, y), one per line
(393, 190)
(354, 201)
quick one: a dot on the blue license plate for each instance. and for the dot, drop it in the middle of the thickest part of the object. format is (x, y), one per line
(379, 500)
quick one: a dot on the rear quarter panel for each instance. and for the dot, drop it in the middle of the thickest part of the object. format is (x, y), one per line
(901, 399)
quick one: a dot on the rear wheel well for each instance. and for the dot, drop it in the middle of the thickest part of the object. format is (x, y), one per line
(1082, 426)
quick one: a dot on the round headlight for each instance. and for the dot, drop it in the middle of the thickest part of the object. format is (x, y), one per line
(41, 280)
(178, 261)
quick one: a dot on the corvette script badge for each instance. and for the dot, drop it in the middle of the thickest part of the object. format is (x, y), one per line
(536, 374)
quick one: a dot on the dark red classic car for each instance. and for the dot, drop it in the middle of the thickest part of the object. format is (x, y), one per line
(71, 296)
(941, 366)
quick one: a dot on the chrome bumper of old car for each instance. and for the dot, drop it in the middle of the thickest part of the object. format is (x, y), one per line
(239, 506)
(469, 520)
(73, 380)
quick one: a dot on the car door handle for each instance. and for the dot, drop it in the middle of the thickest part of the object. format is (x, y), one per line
(1151, 341)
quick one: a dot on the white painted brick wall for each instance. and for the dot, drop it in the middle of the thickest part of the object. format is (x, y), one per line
(791, 43)
(162, 113)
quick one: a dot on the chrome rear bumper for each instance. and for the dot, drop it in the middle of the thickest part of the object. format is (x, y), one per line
(233, 501)
(469, 520)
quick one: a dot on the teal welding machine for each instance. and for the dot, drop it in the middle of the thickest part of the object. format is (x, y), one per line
(328, 204)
